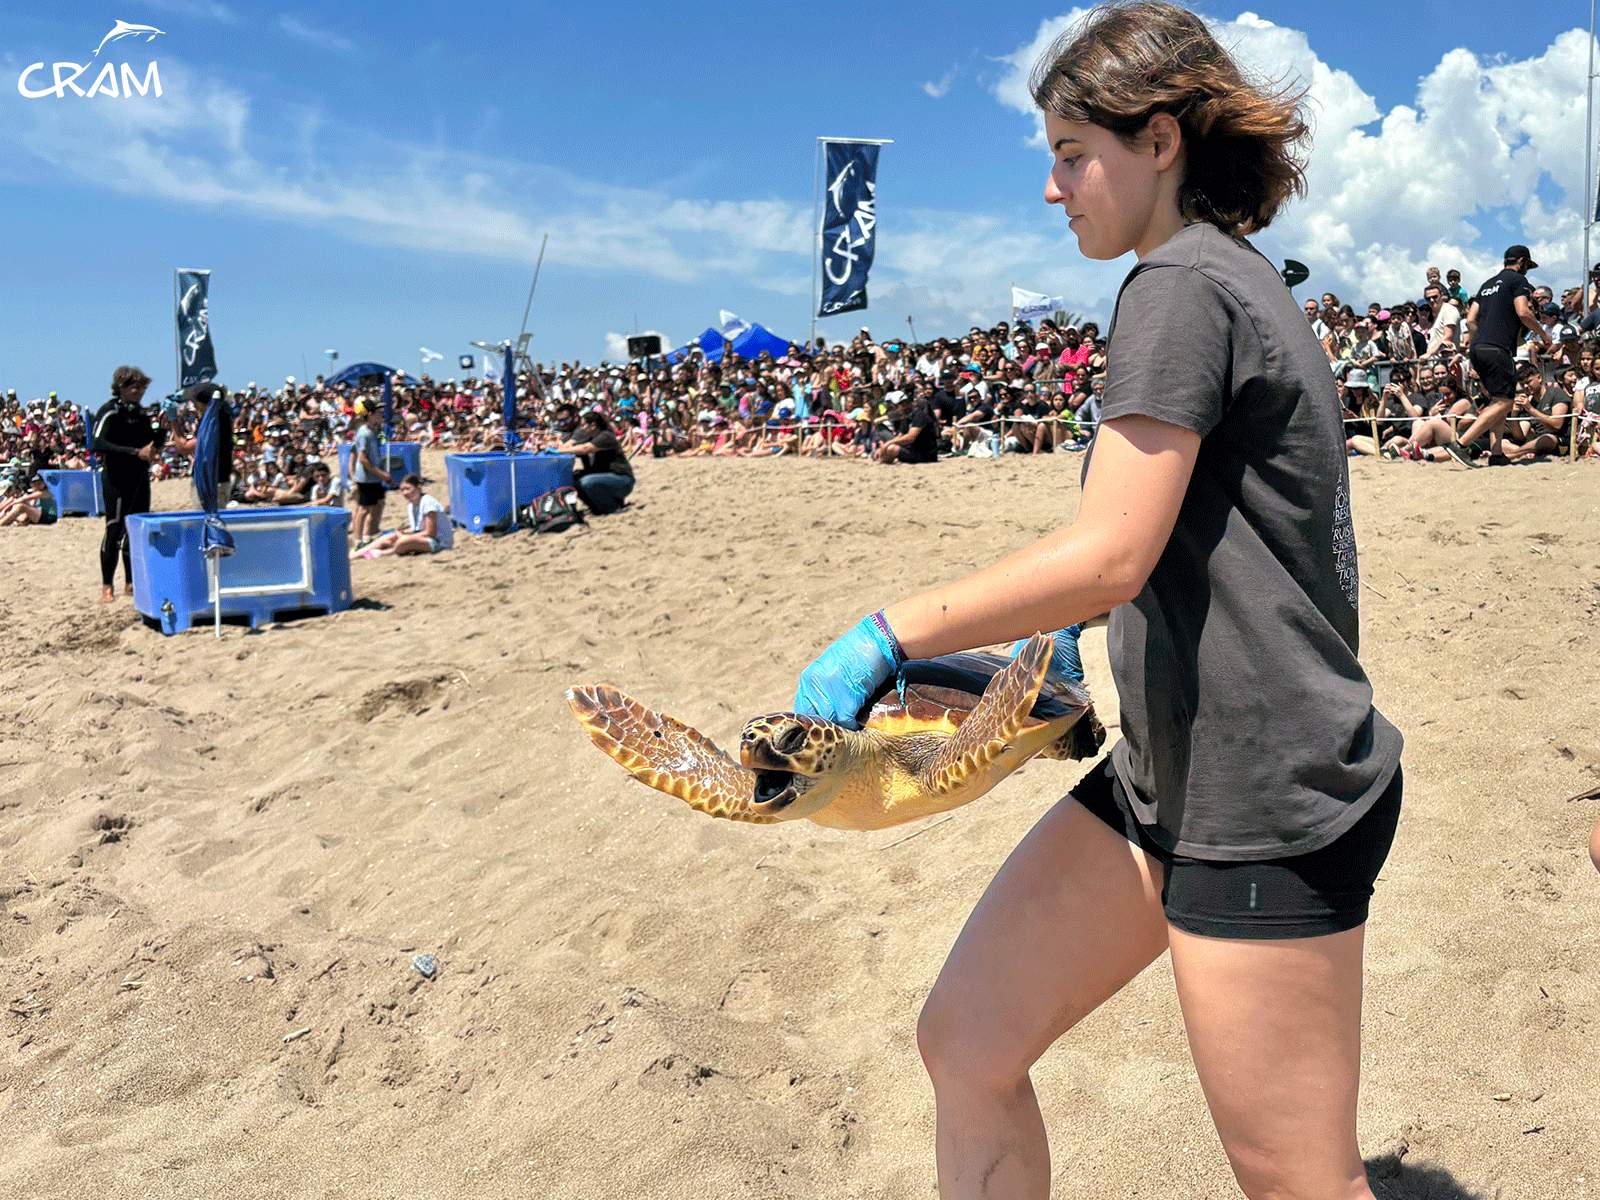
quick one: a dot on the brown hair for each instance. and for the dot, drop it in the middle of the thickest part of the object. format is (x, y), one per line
(1126, 62)
(123, 376)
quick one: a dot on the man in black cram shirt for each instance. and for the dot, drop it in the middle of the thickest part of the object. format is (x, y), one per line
(127, 438)
(1502, 307)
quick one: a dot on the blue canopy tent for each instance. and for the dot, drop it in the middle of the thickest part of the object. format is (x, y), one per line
(757, 338)
(748, 344)
(361, 372)
(710, 341)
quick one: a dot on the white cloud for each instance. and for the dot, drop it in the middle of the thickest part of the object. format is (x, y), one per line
(196, 146)
(1390, 192)
(312, 35)
(617, 343)
(938, 90)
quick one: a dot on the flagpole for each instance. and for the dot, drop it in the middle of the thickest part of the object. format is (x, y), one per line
(177, 336)
(816, 248)
(1588, 167)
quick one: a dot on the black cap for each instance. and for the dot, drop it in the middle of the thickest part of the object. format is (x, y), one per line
(203, 392)
(1517, 253)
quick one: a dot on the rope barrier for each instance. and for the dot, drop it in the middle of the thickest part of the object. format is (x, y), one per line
(1445, 416)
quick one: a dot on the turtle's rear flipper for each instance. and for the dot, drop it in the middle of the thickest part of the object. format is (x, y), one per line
(1082, 741)
(997, 719)
(666, 754)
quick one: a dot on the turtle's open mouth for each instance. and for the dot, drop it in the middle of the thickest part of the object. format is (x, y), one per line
(775, 789)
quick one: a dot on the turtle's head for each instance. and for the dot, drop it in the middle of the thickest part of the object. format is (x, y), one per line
(799, 762)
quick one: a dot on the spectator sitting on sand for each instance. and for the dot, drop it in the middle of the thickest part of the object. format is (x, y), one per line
(36, 506)
(428, 528)
(322, 490)
(1538, 422)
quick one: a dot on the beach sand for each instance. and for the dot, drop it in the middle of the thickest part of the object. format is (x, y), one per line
(218, 858)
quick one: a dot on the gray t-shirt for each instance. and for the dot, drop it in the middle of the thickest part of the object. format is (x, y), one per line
(1248, 726)
(366, 443)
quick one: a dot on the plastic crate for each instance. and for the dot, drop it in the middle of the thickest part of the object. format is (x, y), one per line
(286, 562)
(481, 485)
(75, 492)
(400, 459)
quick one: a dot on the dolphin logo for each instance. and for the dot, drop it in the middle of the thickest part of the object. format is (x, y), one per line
(124, 29)
(836, 188)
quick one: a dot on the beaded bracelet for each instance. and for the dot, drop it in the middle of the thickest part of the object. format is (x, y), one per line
(882, 623)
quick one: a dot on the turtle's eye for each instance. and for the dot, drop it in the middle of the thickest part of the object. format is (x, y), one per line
(791, 741)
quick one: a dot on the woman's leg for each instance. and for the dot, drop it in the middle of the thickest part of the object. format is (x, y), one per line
(604, 493)
(1275, 1031)
(1073, 914)
(1542, 443)
(378, 547)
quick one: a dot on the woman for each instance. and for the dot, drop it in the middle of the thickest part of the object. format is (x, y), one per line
(1243, 818)
(36, 506)
(605, 479)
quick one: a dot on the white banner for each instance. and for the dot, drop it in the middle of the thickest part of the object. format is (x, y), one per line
(1030, 306)
(732, 324)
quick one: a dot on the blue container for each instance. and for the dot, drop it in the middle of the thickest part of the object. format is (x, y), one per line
(480, 485)
(286, 561)
(75, 492)
(400, 459)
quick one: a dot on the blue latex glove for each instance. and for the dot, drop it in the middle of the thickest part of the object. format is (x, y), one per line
(1064, 660)
(846, 674)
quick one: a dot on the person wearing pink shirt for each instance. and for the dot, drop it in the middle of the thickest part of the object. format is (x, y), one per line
(1072, 358)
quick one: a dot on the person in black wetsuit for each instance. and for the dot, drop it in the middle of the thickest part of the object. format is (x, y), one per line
(127, 439)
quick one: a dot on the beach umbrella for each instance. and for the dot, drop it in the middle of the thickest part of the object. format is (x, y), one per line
(215, 540)
(508, 388)
(388, 409)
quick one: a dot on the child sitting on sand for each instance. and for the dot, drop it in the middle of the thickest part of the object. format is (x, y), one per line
(428, 526)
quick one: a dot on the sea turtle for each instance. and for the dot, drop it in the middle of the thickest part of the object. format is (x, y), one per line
(940, 735)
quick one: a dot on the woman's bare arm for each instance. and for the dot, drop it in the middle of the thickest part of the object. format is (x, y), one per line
(1136, 485)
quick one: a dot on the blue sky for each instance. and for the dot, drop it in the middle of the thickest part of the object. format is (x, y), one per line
(377, 178)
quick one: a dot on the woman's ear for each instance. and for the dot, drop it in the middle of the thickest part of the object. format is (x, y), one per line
(1166, 139)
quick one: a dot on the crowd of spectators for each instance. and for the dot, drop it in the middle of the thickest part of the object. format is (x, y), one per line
(1401, 371)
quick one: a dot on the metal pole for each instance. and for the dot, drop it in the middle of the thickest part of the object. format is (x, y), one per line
(215, 574)
(816, 248)
(1588, 197)
(177, 338)
(528, 307)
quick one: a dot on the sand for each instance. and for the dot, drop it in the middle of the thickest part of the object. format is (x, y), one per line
(218, 858)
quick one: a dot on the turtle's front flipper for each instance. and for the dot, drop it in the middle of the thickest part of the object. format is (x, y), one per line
(666, 754)
(997, 719)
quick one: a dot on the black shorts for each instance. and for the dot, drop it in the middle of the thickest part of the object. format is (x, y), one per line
(369, 494)
(1496, 369)
(1305, 895)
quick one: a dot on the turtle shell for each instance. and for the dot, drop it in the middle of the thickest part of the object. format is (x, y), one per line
(940, 691)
